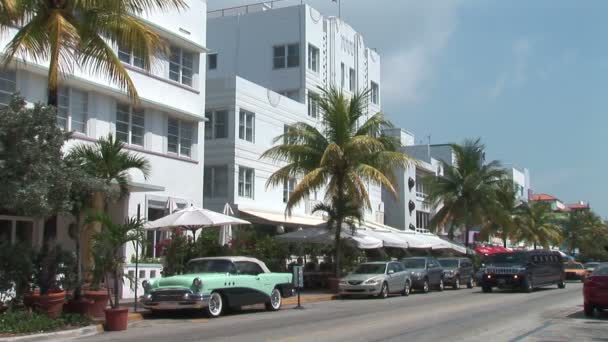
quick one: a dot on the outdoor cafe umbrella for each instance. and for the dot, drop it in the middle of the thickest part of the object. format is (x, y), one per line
(226, 230)
(193, 218)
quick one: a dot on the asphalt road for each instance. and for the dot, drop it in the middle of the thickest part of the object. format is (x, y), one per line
(461, 315)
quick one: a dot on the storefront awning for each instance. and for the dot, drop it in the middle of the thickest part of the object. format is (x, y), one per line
(320, 235)
(280, 218)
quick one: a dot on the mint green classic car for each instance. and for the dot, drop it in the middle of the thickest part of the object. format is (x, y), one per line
(217, 283)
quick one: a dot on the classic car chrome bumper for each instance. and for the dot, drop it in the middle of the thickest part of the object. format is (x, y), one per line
(189, 301)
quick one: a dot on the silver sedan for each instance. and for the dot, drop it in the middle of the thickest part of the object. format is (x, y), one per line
(376, 279)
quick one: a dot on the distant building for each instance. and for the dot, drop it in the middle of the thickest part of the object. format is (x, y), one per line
(555, 203)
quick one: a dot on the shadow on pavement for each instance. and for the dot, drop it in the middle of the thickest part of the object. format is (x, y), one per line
(599, 317)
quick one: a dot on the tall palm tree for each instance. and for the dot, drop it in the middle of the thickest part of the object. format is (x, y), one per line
(537, 225)
(82, 33)
(580, 227)
(466, 193)
(502, 221)
(109, 163)
(340, 158)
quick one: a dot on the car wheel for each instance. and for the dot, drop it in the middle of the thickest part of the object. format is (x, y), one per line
(471, 283)
(527, 285)
(425, 286)
(589, 310)
(561, 284)
(275, 301)
(216, 305)
(440, 287)
(383, 291)
(407, 288)
(486, 289)
(456, 285)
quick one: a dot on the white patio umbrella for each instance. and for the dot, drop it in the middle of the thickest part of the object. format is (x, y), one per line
(193, 218)
(226, 230)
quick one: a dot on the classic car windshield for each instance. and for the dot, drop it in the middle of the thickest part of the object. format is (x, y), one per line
(370, 269)
(508, 258)
(210, 266)
(574, 266)
(413, 263)
(449, 263)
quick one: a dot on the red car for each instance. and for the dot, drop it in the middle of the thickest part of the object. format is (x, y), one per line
(595, 290)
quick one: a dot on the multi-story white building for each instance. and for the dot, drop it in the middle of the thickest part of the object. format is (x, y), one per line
(521, 181)
(264, 65)
(166, 127)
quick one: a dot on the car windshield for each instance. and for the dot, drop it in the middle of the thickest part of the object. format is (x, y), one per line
(574, 266)
(413, 263)
(508, 258)
(210, 266)
(370, 269)
(449, 263)
(601, 271)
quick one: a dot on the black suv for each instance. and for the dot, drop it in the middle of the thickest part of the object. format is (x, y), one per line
(457, 271)
(425, 272)
(524, 270)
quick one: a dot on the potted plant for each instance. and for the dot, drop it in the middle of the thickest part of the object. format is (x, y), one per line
(50, 263)
(109, 261)
(72, 283)
(15, 273)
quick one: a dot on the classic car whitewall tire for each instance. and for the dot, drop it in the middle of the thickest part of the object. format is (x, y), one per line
(216, 305)
(275, 300)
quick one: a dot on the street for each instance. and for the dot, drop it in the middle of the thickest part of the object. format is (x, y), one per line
(466, 315)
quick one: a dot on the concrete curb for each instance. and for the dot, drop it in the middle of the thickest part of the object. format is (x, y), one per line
(309, 299)
(58, 335)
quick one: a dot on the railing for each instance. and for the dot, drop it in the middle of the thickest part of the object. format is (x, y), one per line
(252, 8)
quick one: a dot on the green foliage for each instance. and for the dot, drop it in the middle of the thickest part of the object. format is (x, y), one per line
(49, 262)
(15, 270)
(34, 180)
(585, 230)
(26, 322)
(177, 252)
(537, 225)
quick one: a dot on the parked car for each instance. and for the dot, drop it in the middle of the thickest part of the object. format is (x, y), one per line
(425, 272)
(376, 279)
(214, 284)
(595, 290)
(525, 270)
(591, 266)
(575, 271)
(457, 271)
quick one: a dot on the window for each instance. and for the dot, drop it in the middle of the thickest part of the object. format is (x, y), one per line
(352, 79)
(215, 184)
(216, 126)
(246, 125)
(181, 66)
(127, 56)
(246, 176)
(17, 230)
(420, 191)
(313, 105)
(292, 94)
(422, 220)
(152, 274)
(375, 93)
(179, 137)
(342, 75)
(72, 108)
(8, 85)
(130, 124)
(286, 56)
(313, 58)
(212, 61)
(248, 268)
(288, 187)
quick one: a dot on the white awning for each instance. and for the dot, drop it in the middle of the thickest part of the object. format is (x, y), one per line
(321, 235)
(281, 218)
(388, 238)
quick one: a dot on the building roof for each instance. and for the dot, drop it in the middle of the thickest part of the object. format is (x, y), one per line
(579, 205)
(544, 197)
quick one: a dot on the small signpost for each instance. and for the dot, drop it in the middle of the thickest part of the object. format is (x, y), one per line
(298, 282)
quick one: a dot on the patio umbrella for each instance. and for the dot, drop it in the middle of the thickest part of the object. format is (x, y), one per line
(193, 218)
(324, 236)
(226, 230)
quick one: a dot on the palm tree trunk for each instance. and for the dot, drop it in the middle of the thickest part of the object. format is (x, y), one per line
(86, 237)
(534, 244)
(338, 247)
(116, 284)
(466, 237)
(504, 242)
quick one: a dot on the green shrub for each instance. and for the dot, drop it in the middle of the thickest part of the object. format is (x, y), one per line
(25, 322)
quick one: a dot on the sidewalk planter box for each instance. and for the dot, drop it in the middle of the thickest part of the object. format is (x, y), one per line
(117, 319)
(100, 301)
(52, 303)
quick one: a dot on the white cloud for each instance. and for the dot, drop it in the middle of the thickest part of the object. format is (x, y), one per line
(516, 74)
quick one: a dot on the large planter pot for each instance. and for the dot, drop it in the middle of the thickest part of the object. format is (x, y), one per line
(31, 299)
(52, 303)
(100, 301)
(82, 307)
(332, 284)
(3, 308)
(117, 319)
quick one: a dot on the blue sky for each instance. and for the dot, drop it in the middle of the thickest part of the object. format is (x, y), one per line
(528, 77)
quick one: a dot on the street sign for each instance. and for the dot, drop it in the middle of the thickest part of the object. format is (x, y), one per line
(298, 277)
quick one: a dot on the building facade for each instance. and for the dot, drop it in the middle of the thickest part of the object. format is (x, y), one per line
(166, 127)
(264, 66)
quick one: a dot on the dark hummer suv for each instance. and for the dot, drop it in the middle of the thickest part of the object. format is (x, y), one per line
(523, 270)
(425, 272)
(457, 271)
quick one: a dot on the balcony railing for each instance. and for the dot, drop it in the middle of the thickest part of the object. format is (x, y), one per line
(252, 8)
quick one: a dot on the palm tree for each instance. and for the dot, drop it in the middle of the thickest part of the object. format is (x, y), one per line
(503, 218)
(71, 33)
(340, 158)
(537, 224)
(466, 192)
(109, 163)
(580, 227)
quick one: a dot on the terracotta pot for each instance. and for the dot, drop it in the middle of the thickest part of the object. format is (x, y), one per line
(117, 319)
(52, 303)
(100, 301)
(31, 299)
(81, 307)
(332, 284)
